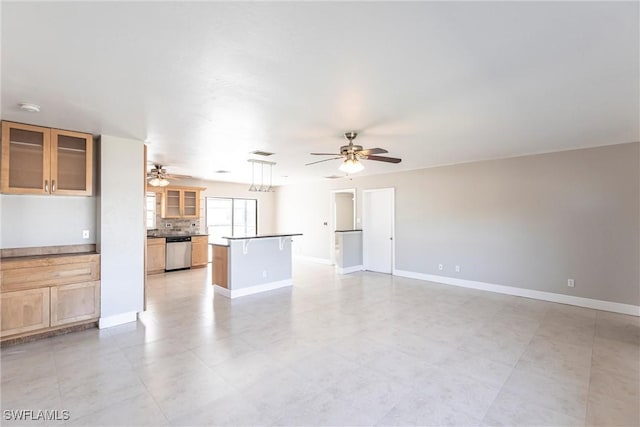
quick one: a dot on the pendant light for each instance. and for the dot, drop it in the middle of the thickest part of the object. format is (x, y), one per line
(253, 186)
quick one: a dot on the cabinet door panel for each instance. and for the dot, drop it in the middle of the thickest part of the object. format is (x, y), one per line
(24, 311)
(25, 159)
(71, 163)
(199, 251)
(172, 204)
(190, 204)
(73, 303)
(156, 254)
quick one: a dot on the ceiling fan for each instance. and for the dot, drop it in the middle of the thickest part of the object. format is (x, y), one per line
(352, 154)
(158, 176)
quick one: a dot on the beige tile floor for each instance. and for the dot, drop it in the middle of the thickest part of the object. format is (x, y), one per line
(360, 349)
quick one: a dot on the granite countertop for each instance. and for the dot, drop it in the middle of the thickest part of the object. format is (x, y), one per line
(348, 231)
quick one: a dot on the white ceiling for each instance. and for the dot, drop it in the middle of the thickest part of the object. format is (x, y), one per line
(434, 83)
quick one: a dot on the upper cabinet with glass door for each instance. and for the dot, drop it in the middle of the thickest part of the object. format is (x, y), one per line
(39, 160)
(181, 202)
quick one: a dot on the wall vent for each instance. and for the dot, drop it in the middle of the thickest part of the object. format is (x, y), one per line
(262, 153)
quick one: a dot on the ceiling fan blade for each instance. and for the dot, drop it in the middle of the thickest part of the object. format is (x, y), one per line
(370, 151)
(325, 160)
(384, 159)
(325, 154)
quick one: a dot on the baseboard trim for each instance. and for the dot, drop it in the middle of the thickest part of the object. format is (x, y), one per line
(117, 319)
(615, 307)
(348, 270)
(314, 259)
(236, 293)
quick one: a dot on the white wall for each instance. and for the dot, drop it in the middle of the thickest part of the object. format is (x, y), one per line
(122, 229)
(529, 222)
(33, 221)
(266, 201)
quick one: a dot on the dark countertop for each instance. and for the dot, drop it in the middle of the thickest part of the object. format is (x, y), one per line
(164, 236)
(347, 231)
(262, 236)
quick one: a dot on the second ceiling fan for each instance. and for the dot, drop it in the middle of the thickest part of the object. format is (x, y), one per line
(352, 154)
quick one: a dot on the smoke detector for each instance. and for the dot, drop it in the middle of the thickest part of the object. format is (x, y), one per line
(32, 108)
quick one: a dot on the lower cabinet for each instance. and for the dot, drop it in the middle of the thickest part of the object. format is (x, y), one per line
(24, 311)
(199, 251)
(74, 303)
(156, 255)
(47, 292)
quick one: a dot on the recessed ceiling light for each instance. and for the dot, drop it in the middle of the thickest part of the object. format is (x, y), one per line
(32, 108)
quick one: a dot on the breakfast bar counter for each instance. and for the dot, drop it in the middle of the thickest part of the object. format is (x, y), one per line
(248, 265)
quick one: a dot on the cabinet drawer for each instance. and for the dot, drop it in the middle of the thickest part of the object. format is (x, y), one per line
(24, 311)
(74, 303)
(19, 275)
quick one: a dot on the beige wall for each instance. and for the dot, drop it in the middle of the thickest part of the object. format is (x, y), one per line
(530, 222)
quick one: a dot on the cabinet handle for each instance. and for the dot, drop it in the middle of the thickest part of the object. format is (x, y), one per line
(46, 185)
(53, 185)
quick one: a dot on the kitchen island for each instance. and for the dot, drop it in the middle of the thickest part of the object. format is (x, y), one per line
(248, 265)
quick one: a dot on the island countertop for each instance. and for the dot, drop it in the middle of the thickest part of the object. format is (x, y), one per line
(262, 236)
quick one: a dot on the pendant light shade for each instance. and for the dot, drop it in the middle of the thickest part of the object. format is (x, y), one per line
(262, 188)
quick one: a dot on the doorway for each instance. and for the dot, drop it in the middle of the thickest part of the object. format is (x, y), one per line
(378, 230)
(342, 208)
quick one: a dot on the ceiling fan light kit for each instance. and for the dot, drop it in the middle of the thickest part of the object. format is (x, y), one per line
(158, 176)
(351, 166)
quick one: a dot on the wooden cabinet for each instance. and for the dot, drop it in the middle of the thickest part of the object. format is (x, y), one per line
(39, 160)
(75, 302)
(181, 202)
(220, 265)
(199, 251)
(42, 293)
(156, 255)
(24, 311)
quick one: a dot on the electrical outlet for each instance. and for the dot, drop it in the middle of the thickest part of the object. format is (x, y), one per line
(440, 267)
(167, 225)
(457, 269)
(264, 273)
(85, 234)
(193, 224)
(571, 283)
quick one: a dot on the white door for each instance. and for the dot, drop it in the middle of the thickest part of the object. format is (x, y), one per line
(377, 230)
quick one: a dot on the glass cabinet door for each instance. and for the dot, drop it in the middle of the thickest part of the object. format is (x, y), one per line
(71, 160)
(25, 159)
(172, 204)
(190, 206)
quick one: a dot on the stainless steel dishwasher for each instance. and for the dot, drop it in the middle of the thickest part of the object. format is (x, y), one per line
(178, 253)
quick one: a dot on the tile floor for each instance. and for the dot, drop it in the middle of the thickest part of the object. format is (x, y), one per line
(360, 349)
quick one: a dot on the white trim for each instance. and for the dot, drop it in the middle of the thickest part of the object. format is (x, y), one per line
(347, 270)
(117, 319)
(235, 293)
(615, 307)
(393, 224)
(314, 259)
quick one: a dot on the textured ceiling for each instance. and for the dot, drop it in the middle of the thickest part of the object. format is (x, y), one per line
(433, 83)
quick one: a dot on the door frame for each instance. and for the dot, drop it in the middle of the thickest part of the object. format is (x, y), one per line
(332, 219)
(393, 224)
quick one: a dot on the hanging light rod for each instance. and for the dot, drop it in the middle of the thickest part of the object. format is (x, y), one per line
(264, 162)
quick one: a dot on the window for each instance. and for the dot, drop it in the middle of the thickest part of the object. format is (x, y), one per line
(232, 217)
(151, 210)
